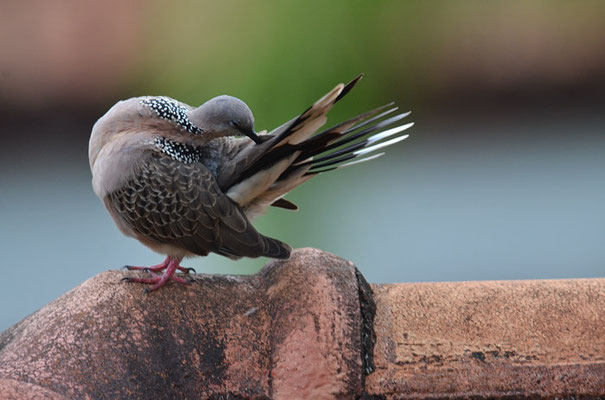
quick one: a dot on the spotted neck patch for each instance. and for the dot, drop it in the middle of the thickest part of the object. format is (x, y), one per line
(180, 152)
(171, 110)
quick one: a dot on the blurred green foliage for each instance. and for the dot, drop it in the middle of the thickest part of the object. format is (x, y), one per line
(277, 56)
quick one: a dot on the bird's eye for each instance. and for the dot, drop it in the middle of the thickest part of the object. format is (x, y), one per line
(234, 124)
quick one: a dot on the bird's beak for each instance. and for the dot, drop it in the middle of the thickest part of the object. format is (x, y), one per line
(252, 135)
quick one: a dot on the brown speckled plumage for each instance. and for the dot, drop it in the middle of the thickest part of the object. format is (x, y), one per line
(180, 204)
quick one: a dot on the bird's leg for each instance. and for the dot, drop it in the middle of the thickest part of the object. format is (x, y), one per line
(155, 268)
(159, 267)
(160, 280)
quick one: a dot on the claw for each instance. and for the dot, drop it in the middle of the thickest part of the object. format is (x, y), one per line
(159, 268)
(170, 266)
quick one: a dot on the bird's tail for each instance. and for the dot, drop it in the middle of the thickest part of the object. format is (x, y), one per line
(270, 247)
(294, 152)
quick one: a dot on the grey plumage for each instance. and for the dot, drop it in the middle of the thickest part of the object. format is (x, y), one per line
(186, 181)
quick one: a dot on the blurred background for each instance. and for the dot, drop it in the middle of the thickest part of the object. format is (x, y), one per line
(502, 177)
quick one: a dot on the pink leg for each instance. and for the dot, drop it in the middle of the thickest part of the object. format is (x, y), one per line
(157, 280)
(159, 267)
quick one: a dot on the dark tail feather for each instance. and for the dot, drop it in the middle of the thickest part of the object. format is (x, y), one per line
(347, 138)
(348, 87)
(331, 148)
(308, 112)
(275, 248)
(325, 138)
(283, 203)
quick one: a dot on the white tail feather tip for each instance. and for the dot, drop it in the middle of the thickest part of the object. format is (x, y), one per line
(390, 132)
(360, 161)
(380, 145)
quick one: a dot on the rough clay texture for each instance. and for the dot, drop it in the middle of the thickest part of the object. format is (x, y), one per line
(519, 339)
(17, 390)
(306, 328)
(291, 331)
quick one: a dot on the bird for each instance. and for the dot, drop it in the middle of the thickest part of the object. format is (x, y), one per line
(187, 181)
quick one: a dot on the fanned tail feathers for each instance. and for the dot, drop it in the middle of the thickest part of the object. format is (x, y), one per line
(295, 153)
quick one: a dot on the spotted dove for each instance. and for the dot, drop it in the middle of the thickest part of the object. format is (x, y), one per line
(188, 181)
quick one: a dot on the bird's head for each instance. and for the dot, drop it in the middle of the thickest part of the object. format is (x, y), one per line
(224, 116)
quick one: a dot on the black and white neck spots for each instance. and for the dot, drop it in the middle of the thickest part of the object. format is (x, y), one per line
(178, 151)
(171, 110)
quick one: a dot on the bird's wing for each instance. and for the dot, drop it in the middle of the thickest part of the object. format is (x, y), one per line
(250, 157)
(259, 175)
(182, 205)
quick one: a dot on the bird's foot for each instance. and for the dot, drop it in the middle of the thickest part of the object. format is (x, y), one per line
(170, 266)
(159, 267)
